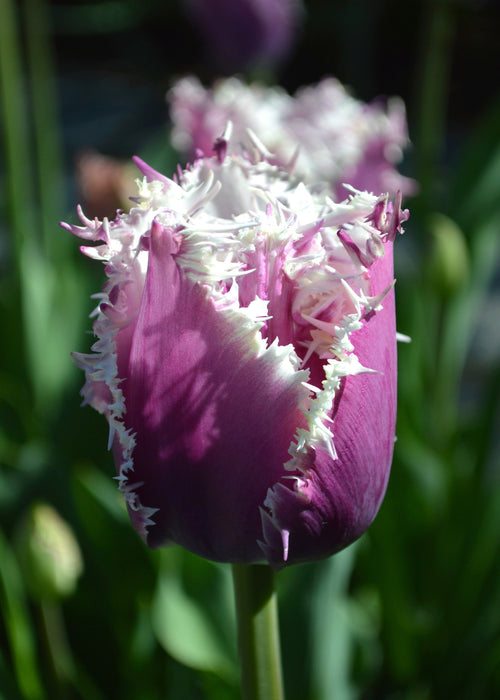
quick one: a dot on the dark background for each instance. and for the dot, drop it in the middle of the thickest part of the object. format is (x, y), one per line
(116, 60)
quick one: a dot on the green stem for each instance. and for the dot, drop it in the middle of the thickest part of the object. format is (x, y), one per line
(45, 124)
(60, 662)
(432, 98)
(18, 161)
(19, 630)
(258, 632)
(431, 105)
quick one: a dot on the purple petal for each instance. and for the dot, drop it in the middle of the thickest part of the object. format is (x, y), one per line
(149, 173)
(213, 419)
(248, 31)
(342, 496)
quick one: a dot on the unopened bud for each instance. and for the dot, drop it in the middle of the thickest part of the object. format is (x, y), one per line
(449, 263)
(49, 554)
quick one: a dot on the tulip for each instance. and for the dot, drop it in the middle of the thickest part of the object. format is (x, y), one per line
(247, 33)
(246, 358)
(341, 139)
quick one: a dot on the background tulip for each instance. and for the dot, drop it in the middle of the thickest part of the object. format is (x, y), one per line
(246, 359)
(327, 133)
(247, 33)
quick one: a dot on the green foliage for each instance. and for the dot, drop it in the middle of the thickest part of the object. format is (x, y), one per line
(191, 622)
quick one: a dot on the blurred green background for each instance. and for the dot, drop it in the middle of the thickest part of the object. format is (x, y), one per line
(410, 611)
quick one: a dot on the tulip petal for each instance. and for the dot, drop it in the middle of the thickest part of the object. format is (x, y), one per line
(213, 412)
(335, 500)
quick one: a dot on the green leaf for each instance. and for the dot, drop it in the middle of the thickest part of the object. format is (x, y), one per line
(333, 627)
(475, 191)
(103, 490)
(19, 628)
(184, 628)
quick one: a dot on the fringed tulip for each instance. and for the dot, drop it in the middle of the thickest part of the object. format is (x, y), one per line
(341, 139)
(246, 358)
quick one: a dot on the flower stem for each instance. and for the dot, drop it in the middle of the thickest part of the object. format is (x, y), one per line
(258, 632)
(432, 99)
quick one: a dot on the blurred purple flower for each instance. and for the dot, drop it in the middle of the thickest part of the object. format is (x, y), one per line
(341, 140)
(243, 33)
(246, 358)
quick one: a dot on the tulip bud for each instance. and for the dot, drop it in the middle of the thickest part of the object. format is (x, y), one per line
(49, 554)
(449, 264)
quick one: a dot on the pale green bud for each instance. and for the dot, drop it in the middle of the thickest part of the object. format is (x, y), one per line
(449, 261)
(49, 554)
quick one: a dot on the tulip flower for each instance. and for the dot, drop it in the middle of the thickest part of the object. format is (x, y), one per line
(341, 139)
(246, 33)
(246, 358)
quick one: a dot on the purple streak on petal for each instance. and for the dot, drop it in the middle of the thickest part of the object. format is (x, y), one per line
(149, 173)
(265, 279)
(220, 149)
(353, 249)
(213, 421)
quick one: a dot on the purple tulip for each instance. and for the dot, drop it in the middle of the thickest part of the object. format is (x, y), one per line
(247, 32)
(340, 138)
(246, 359)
